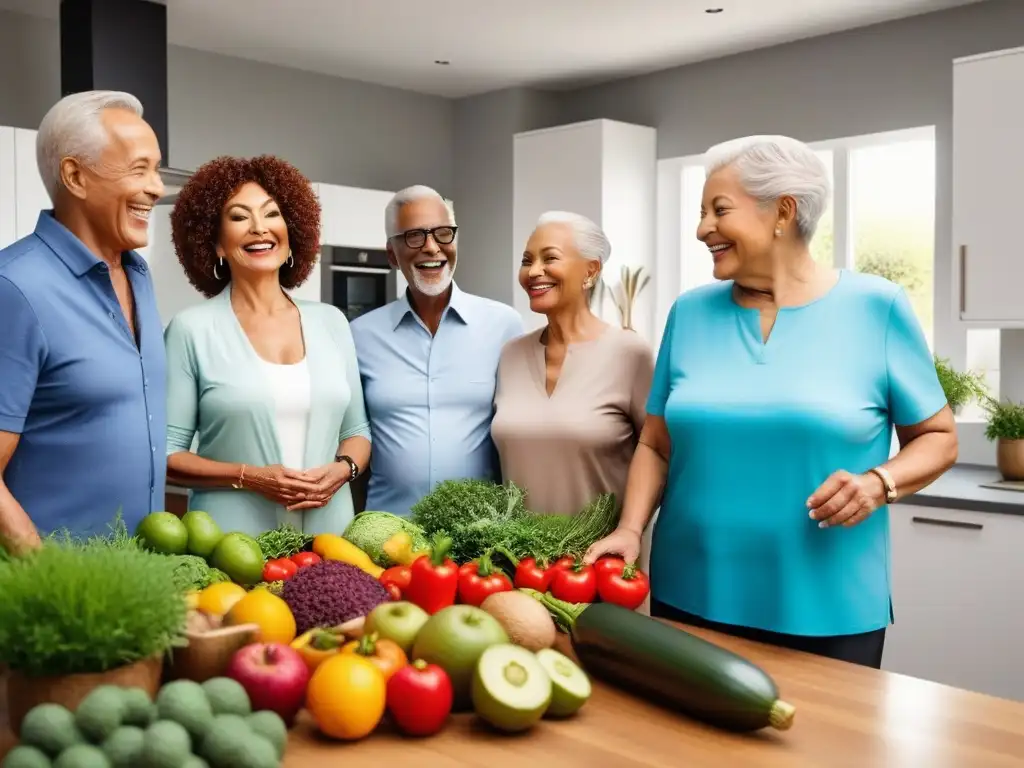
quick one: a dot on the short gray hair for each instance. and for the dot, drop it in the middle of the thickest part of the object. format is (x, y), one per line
(590, 239)
(770, 167)
(409, 195)
(74, 128)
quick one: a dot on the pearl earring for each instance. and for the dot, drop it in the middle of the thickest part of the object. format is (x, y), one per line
(778, 232)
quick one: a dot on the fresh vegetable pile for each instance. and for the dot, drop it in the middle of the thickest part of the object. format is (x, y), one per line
(188, 726)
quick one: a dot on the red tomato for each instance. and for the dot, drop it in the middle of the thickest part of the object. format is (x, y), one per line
(419, 698)
(530, 575)
(479, 580)
(609, 564)
(399, 575)
(627, 587)
(577, 584)
(393, 591)
(563, 562)
(279, 570)
(302, 559)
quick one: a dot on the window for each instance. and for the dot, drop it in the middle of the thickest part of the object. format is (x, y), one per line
(881, 217)
(983, 350)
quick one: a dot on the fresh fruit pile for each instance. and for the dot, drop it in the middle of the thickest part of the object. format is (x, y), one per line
(212, 725)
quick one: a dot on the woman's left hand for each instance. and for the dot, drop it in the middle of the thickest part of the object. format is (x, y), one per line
(845, 499)
(328, 479)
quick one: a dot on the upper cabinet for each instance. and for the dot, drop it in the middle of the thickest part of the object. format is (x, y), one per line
(604, 170)
(22, 194)
(988, 165)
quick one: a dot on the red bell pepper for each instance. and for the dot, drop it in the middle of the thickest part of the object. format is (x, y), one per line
(531, 574)
(434, 579)
(480, 579)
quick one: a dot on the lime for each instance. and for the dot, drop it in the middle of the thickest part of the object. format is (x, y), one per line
(203, 532)
(240, 557)
(163, 532)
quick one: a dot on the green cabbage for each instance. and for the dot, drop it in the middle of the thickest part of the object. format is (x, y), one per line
(370, 531)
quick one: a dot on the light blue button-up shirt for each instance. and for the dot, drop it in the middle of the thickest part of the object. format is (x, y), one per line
(430, 399)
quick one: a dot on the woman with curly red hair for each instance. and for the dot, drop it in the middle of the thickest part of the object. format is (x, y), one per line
(269, 384)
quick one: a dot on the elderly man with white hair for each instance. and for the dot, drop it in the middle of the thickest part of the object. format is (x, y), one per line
(571, 395)
(82, 424)
(769, 427)
(428, 362)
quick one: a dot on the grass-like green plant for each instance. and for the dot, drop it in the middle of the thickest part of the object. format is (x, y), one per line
(78, 606)
(961, 387)
(1005, 420)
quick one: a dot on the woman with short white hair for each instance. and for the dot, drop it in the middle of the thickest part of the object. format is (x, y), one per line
(570, 396)
(769, 426)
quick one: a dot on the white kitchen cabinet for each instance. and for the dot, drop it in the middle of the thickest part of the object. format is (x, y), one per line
(8, 189)
(988, 164)
(22, 194)
(604, 170)
(958, 599)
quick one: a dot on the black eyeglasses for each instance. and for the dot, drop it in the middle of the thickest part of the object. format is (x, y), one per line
(417, 238)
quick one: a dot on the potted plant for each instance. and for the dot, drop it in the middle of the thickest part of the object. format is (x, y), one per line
(76, 615)
(631, 284)
(961, 388)
(1006, 427)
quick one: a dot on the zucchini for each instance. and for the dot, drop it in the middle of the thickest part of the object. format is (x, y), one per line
(677, 670)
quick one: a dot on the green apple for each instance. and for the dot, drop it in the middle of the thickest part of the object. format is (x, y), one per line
(399, 621)
(454, 638)
(511, 689)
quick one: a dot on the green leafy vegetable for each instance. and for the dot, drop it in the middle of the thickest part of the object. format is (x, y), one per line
(87, 607)
(284, 541)
(371, 530)
(193, 572)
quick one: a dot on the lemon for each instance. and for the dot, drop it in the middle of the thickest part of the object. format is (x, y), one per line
(217, 599)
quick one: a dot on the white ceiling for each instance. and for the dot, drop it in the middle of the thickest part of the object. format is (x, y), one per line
(495, 44)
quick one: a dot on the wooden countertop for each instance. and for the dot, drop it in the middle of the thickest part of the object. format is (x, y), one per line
(845, 716)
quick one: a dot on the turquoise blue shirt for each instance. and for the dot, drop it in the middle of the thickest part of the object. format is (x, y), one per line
(430, 399)
(757, 427)
(86, 397)
(216, 389)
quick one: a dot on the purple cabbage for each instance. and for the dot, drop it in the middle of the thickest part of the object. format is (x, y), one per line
(330, 593)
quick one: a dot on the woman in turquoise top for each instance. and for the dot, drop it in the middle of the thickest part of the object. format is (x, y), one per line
(769, 428)
(268, 383)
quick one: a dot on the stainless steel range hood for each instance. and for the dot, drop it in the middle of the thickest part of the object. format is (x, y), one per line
(174, 179)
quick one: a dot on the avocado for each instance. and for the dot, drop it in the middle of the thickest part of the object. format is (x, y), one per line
(82, 756)
(26, 757)
(271, 727)
(185, 702)
(138, 707)
(227, 696)
(165, 744)
(231, 743)
(123, 747)
(100, 713)
(50, 728)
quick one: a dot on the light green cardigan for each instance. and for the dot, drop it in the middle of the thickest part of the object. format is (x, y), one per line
(215, 389)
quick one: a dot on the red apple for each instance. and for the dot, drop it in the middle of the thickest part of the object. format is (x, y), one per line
(274, 675)
(419, 697)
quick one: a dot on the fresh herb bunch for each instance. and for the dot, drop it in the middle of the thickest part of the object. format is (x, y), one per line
(87, 607)
(960, 387)
(1005, 420)
(284, 541)
(480, 516)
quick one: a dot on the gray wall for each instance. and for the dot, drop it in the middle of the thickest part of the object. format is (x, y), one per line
(336, 131)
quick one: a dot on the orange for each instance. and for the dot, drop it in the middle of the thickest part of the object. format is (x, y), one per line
(346, 697)
(268, 611)
(217, 599)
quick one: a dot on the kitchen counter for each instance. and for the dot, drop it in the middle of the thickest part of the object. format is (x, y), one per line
(845, 716)
(960, 488)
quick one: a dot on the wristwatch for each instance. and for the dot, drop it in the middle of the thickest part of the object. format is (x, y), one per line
(888, 483)
(353, 467)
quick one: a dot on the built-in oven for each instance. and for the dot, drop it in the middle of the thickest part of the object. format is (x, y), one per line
(356, 280)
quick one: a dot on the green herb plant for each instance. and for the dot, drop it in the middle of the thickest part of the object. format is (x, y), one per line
(87, 607)
(1005, 420)
(961, 388)
(284, 541)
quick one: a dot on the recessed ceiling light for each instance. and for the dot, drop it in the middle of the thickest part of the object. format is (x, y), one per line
(442, 62)
(713, 10)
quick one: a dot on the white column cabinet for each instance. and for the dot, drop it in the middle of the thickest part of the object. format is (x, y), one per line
(988, 164)
(958, 599)
(604, 170)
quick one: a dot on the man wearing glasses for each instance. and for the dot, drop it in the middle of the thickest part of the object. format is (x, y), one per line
(428, 362)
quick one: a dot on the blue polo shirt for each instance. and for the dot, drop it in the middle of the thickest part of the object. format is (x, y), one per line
(88, 403)
(430, 399)
(756, 427)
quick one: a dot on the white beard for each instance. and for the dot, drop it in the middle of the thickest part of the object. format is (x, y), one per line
(433, 287)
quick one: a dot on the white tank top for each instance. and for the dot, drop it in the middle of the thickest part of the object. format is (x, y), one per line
(290, 387)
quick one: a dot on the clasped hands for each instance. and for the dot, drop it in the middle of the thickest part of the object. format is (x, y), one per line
(298, 489)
